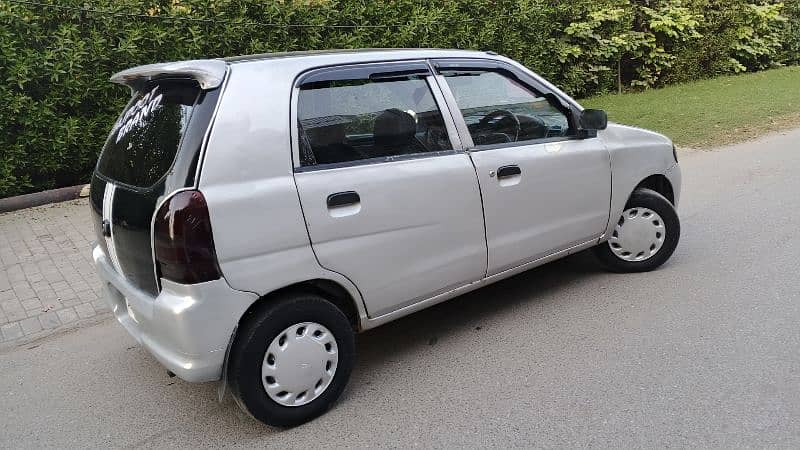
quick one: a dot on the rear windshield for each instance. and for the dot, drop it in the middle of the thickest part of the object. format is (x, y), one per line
(144, 141)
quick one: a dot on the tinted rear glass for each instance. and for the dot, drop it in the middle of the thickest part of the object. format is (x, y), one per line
(144, 141)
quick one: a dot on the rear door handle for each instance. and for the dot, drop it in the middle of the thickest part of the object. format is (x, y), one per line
(508, 171)
(343, 199)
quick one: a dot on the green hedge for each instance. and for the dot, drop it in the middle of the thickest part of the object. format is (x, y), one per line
(58, 106)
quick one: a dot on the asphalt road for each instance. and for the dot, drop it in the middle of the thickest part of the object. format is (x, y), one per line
(703, 352)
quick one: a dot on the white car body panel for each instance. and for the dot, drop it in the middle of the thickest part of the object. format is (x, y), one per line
(536, 213)
(635, 155)
(432, 202)
(245, 185)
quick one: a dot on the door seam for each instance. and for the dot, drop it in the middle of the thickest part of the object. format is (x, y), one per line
(455, 118)
(483, 212)
(610, 188)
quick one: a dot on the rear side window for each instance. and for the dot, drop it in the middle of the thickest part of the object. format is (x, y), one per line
(145, 139)
(346, 120)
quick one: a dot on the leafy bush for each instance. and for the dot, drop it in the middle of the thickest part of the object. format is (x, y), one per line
(58, 105)
(758, 37)
(791, 45)
(629, 41)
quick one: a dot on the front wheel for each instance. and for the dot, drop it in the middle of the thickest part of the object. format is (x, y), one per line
(291, 359)
(644, 236)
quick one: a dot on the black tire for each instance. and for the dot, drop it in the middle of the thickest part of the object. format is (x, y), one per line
(645, 198)
(254, 337)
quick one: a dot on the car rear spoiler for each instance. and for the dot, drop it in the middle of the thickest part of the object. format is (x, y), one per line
(209, 73)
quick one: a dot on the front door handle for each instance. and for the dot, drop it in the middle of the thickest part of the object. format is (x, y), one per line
(343, 199)
(508, 171)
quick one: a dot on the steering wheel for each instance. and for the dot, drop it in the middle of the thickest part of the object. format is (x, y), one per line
(495, 119)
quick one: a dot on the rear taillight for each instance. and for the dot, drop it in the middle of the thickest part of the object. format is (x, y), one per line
(182, 240)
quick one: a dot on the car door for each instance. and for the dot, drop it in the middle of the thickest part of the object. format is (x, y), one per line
(545, 187)
(389, 198)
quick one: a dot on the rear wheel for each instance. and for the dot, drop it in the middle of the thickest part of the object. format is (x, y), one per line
(291, 359)
(644, 236)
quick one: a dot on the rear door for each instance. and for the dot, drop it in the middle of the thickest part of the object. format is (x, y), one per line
(152, 151)
(390, 199)
(546, 187)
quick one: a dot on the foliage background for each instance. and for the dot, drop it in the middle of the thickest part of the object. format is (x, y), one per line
(55, 57)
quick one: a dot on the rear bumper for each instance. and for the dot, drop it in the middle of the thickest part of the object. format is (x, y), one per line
(186, 327)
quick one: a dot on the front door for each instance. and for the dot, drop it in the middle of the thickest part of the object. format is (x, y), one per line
(390, 200)
(544, 189)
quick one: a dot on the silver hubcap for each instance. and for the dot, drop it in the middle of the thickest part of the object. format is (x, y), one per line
(299, 364)
(639, 234)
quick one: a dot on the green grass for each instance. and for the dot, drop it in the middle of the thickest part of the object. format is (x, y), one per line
(712, 112)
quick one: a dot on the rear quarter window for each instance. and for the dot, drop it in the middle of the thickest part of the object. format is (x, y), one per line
(145, 139)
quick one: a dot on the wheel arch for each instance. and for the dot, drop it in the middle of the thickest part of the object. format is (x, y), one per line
(624, 187)
(326, 288)
(658, 183)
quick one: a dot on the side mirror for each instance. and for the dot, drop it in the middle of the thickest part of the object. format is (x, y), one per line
(593, 119)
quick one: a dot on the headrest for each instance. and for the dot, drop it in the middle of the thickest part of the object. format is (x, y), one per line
(394, 127)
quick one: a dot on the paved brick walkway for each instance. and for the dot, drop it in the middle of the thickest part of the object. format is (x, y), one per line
(47, 279)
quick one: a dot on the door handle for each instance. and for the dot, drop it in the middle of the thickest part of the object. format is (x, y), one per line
(508, 171)
(106, 228)
(343, 199)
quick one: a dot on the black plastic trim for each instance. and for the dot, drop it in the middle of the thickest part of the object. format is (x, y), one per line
(491, 64)
(367, 71)
(481, 148)
(343, 199)
(379, 160)
(508, 171)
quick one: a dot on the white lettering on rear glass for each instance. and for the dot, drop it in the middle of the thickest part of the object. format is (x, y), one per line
(137, 114)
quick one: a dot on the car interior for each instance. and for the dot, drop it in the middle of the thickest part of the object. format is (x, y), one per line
(350, 120)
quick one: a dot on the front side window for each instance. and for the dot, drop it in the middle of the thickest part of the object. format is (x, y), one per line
(499, 109)
(356, 119)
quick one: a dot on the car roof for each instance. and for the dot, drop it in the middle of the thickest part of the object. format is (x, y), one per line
(210, 72)
(379, 52)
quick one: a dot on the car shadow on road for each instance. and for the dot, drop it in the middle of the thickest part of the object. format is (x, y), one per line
(413, 335)
(416, 332)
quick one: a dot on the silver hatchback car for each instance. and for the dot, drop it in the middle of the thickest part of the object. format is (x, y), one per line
(253, 213)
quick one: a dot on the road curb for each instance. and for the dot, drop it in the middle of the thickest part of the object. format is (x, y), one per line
(42, 198)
